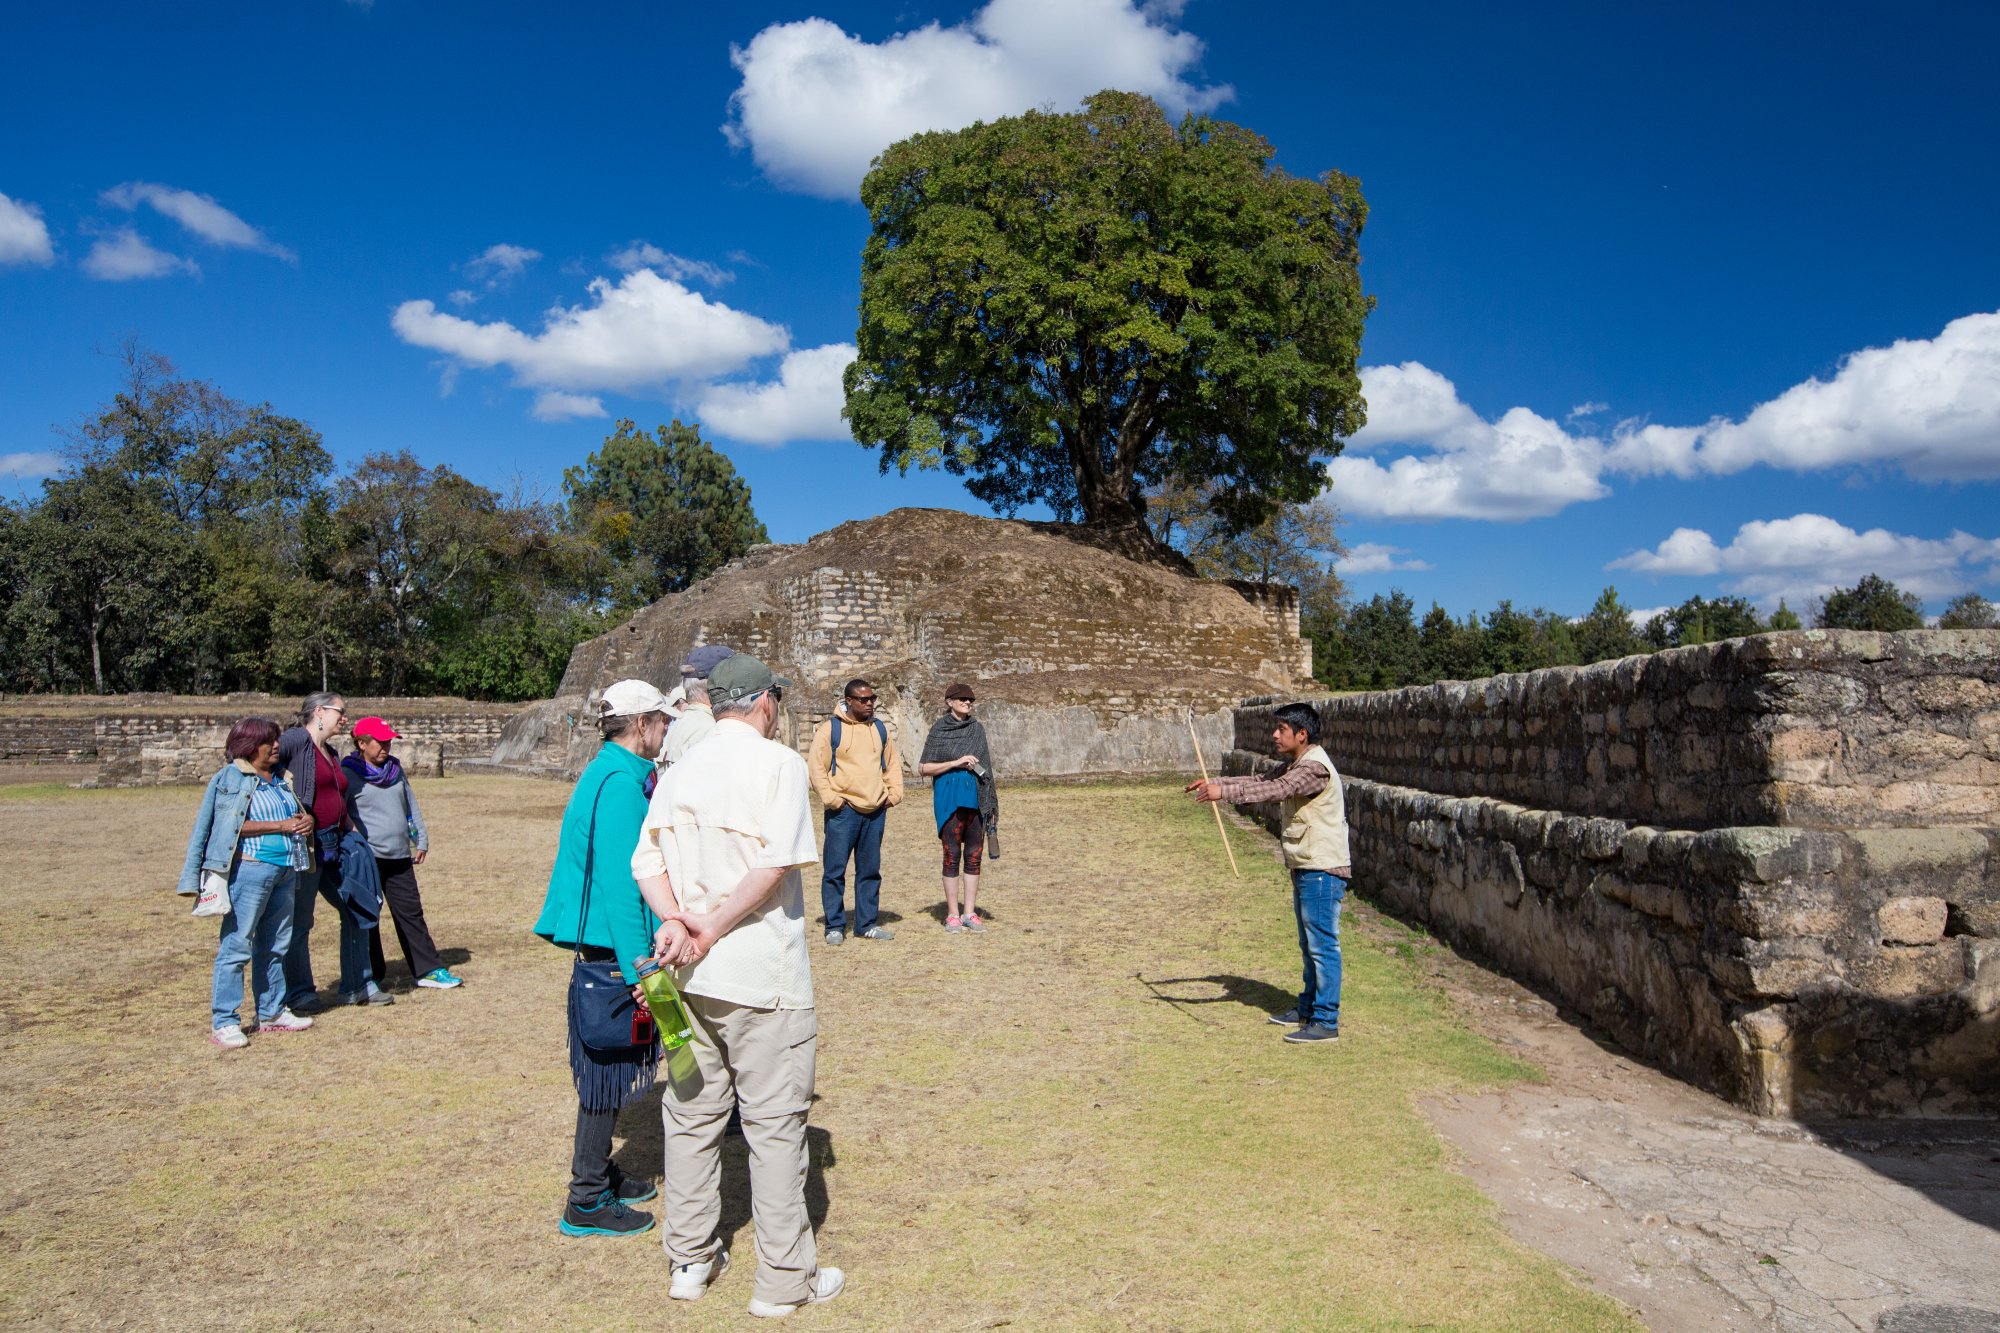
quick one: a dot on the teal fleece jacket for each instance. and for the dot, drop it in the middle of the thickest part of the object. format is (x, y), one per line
(614, 784)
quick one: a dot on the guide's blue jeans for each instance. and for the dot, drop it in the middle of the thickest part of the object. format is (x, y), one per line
(856, 833)
(1316, 899)
(255, 930)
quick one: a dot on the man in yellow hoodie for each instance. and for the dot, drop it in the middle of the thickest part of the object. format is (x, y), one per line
(858, 775)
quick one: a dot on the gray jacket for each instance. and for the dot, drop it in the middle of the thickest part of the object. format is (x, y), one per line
(386, 816)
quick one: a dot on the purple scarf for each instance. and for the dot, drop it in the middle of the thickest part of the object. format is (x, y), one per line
(388, 775)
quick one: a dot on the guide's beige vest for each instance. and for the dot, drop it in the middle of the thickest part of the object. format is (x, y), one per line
(1314, 829)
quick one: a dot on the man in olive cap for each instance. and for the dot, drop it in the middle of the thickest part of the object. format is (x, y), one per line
(719, 856)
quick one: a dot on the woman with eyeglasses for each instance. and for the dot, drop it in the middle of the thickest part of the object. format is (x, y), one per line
(960, 766)
(306, 753)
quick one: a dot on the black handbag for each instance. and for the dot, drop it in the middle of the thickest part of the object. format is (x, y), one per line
(602, 1013)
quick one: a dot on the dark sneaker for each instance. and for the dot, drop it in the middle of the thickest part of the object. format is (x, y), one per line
(607, 1217)
(309, 1003)
(1314, 1032)
(1290, 1018)
(631, 1189)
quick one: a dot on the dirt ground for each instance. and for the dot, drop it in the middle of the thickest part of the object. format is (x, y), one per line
(1079, 1120)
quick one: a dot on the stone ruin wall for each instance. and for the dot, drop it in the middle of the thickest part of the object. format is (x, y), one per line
(1061, 693)
(161, 740)
(1769, 865)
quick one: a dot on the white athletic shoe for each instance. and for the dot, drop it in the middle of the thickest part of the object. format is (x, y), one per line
(229, 1037)
(286, 1021)
(691, 1281)
(826, 1286)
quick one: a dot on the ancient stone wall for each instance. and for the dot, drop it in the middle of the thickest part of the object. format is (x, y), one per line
(1819, 934)
(163, 739)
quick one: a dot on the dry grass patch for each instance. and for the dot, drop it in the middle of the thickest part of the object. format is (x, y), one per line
(1078, 1120)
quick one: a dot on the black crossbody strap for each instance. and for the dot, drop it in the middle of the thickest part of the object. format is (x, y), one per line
(589, 854)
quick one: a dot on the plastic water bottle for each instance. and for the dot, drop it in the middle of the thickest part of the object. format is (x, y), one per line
(664, 999)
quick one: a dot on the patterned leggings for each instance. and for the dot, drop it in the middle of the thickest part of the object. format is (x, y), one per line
(964, 828)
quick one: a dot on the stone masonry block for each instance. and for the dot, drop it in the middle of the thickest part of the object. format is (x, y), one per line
(1912, 920)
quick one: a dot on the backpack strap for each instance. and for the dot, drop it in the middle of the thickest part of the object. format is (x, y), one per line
(833, 765)
(883, 732)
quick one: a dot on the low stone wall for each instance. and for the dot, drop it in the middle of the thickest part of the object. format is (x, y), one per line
(1813, 728)
(156, 740)
(1803, 965)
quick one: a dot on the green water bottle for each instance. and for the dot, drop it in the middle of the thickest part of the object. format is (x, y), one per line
(676, 1028)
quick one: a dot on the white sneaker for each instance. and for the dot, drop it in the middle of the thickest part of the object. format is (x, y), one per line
(286, 1021)
(826, 1286)
(229, 1037)
(691, 1281)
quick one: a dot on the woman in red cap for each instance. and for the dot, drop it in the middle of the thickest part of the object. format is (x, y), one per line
(382, 807)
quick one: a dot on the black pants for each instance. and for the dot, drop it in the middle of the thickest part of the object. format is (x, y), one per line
(400, 900)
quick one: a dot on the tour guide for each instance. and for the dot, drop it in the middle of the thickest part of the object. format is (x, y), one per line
(1313, 831)
(727, 832)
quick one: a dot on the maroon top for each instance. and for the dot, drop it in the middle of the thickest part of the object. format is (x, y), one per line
(329, 791)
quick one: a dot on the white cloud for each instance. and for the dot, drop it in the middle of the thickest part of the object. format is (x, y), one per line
(24, 237)
(816, 105)
(199, 214)
(30, 464)
(1643, 617)
(1809, 555)
(1929, 406)
(644, 254)
(462, 298)
(645, 331)
(1521, 466)
(1374, 558)
(1586, 410)
(554, 405)
(499, 265)
(125, 254)
(803, 403)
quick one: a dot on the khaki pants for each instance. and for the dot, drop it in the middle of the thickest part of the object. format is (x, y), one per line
(762, 1060)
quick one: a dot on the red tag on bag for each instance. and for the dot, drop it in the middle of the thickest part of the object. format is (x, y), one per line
(643, 1031)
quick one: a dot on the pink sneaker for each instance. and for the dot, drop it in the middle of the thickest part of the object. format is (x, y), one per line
(952, 925)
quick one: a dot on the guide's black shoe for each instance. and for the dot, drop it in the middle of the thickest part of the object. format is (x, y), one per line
(1288, 1019)
(606, 1217)
(1314, 1032)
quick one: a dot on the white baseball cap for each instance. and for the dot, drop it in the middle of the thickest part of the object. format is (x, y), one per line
(629, 698)
(677, 699)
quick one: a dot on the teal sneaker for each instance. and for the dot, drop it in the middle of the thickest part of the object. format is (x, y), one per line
(442, 978)
(606, 1217)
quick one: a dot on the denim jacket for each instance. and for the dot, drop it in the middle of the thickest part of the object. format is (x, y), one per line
(218, 826)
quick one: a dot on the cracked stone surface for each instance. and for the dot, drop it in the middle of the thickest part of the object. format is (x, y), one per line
(1704, 1217)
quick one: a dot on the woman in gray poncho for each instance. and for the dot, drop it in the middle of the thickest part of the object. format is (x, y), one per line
(960, 767)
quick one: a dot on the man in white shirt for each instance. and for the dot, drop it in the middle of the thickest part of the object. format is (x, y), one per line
(725, 837)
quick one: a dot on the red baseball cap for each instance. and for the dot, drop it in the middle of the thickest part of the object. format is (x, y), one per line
(375, 729)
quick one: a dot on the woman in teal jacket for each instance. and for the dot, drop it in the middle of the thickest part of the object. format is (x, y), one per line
(600, 829)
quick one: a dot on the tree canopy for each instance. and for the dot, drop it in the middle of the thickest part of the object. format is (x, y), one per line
(667, 509)
(1069, 308)
(1873, 603)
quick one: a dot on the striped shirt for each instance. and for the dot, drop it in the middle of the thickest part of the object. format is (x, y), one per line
(271, 800)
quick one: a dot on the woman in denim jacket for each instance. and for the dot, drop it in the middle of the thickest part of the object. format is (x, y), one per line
(251, 830)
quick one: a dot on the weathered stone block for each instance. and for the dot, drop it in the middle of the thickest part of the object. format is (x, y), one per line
(1911, 920)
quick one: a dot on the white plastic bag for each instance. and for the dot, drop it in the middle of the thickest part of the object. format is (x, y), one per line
(213, 900)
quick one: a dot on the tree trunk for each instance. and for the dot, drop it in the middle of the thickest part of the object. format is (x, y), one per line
(96, 652)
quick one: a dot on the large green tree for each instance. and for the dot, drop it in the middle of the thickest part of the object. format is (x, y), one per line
(1969, 610)
(666, 509)
(1068, 308)
(1873, 603)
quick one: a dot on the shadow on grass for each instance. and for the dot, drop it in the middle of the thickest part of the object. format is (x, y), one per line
(1232, 989)
(642, 1152)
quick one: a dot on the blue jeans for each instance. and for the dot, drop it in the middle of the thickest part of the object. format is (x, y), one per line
(256, 930)
(851, 832)
(357, 968)
(1316, 899)
(299, 983)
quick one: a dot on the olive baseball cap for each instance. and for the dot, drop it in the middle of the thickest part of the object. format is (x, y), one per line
(739, 676)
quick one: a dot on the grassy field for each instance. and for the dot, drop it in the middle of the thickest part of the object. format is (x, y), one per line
(1079, 1120)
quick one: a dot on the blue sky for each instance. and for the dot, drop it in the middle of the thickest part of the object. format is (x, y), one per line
(1698, 301)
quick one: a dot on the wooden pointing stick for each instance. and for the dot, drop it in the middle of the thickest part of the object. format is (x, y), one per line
(1213, 805)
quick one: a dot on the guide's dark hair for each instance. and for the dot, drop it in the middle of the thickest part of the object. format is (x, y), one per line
(857, 683)
(1300, 717)
(247, 735)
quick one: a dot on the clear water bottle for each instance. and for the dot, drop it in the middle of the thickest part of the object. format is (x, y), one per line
(664, 999)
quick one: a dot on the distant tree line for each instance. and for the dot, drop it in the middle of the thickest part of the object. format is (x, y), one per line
(1381, 644)
(199, 544)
